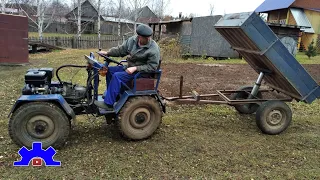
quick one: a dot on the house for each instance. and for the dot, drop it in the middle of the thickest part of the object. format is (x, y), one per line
(109, 25)
(144, 15)
(89, 17)
(57, 21)
(304, 14)
(197, 36)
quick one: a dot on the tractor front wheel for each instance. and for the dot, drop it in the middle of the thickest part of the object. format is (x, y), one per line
(39, 122)
(140, 117)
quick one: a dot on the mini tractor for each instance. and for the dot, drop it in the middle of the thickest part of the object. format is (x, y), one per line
(45, 110)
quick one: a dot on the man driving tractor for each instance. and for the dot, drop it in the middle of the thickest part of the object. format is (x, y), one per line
(143, 56)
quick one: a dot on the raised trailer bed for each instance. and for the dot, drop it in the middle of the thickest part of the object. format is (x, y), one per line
(251, 37)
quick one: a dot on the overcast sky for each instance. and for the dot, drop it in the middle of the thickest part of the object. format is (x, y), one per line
(201, 7)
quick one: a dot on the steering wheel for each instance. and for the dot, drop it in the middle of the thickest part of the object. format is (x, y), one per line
(108, 59)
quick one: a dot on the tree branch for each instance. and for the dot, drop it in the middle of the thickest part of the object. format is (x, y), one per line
(51, 18)
(28, 15)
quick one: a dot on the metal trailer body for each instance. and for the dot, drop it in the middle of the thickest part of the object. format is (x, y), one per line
(253, 39)
(262, 49)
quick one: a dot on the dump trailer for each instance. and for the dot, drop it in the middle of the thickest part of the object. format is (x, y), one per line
(284, 76)
(262, 49)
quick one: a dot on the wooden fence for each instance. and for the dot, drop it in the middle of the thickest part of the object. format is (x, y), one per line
(318, 43)
(86, 42)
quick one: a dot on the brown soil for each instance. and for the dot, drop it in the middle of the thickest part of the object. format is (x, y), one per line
(206, 78)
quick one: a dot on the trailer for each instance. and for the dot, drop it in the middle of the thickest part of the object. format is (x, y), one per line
(253, 39)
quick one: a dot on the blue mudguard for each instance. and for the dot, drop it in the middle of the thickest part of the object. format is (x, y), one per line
(56, 98)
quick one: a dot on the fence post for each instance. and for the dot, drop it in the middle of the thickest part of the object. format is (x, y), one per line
(73, 42)
(58, 41)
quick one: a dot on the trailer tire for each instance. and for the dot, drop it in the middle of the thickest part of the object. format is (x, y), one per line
(245, 108)
(39, 122)
(139, 118)
(273, 117)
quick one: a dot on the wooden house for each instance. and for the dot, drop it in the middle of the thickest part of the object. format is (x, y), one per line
(304, 14)
(109, 25)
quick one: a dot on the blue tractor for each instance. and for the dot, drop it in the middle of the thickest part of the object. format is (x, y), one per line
(45, 110)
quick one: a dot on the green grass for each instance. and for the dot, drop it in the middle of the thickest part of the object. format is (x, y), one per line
(35, 34)
(199, 142)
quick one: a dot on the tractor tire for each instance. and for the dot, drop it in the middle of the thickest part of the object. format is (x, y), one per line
(39, 122)
(245, 108)
(139, 118)
(273, 117)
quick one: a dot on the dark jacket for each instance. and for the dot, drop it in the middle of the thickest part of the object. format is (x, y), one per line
(146, 58)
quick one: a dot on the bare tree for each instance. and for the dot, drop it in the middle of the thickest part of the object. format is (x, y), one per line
(160, 7)
(211, 9)
(99, 23)
(118, 10)
(134, 6)
(80, 9)
(3, 4)
(79, 19)
(35, 11)
(119, 18)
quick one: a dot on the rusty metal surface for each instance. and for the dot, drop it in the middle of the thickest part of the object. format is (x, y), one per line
(13, 39)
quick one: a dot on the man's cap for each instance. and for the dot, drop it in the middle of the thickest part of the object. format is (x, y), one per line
(144, 30)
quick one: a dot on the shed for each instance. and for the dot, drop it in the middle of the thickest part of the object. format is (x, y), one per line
(197, 36)
(302, 13)
(288, 34)
(13, 39)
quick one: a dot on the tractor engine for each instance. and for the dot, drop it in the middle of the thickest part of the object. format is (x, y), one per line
(38, 81)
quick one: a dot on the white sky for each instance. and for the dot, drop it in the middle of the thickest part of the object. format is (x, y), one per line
(201, 7)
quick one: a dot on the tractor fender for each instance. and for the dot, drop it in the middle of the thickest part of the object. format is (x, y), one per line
(54, 98)
(127, 94)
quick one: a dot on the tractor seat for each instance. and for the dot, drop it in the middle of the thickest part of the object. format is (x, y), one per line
(146, 81)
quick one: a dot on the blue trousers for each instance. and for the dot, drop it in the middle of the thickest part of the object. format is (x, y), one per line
(115, 76)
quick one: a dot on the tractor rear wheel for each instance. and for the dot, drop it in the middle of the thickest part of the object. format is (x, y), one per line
(245, 108)
(140, 117)
(39, 122)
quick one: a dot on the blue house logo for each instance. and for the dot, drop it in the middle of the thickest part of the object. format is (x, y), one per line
(37, 155)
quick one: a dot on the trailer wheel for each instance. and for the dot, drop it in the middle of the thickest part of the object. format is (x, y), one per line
(39, 122)
(273, 117)
(245, 108)
(140, 118)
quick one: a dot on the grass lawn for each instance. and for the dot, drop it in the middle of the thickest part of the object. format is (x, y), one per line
(193, 141)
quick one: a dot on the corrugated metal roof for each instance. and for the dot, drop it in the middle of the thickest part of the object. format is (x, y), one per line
(172, 21)
(302, 20)
(269, 5)
(114, 19)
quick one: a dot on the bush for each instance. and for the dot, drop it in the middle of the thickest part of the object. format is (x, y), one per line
(312, 51)
(170, 48)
